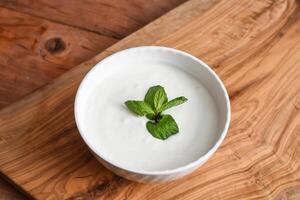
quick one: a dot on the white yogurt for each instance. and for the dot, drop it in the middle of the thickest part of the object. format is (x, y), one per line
(122, 137)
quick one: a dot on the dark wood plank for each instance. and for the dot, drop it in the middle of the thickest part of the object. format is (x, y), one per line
(9, 192)
(113, 18)
(33, 51)
(253, 46)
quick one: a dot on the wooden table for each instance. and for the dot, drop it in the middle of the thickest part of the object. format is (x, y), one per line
(254, 46)
(40, 40)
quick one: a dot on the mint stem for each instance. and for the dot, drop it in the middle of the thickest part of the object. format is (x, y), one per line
(157, 117)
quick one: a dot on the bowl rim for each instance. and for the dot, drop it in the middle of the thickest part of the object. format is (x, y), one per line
(183, 168)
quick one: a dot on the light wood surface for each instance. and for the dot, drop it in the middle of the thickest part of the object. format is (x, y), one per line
(254, 46)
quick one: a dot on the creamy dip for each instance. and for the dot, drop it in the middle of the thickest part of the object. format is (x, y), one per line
(122, 137)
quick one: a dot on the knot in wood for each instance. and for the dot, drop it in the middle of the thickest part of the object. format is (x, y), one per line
(55, 45)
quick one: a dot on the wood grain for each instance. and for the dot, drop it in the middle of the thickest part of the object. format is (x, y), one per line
(8, 192)
(113, 18)
(289, 194)
(55, 36)
(34, 51)
(253, 46)
(202, 6)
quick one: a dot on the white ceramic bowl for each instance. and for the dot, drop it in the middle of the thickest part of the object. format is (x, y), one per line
(185, 61)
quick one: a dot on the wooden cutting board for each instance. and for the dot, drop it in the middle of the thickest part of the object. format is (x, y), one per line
(254, 46)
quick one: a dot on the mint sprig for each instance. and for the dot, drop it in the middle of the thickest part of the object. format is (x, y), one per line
(155, 102)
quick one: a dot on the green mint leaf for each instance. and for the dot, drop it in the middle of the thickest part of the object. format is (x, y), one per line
(164, 128)
(160, 98)
(156, 97)
(140, 108)
(174, 102)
